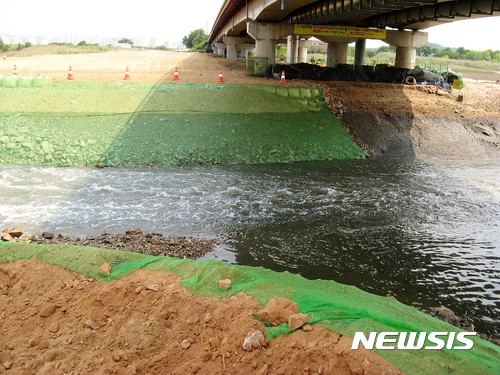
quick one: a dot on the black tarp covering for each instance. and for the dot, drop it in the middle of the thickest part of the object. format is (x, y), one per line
(344, 72)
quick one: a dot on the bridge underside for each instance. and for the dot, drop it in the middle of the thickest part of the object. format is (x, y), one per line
(407, 14)
(245, 25)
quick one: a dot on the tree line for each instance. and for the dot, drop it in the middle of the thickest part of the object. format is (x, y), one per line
(459, 53)
(6, 47)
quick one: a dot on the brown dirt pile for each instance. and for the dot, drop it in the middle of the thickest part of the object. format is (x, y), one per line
(56, 322)
(480, 99)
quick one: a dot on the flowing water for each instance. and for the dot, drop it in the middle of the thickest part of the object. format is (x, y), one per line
(424, 231)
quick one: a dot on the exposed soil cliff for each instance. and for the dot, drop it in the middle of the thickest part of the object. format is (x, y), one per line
(420, 121)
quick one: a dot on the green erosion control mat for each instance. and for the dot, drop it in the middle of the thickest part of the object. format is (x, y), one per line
(342, 308)
(85, 123)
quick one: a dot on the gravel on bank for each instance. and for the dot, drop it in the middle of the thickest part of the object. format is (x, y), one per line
(132, 240)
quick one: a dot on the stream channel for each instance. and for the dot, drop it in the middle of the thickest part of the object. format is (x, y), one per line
(424, 231)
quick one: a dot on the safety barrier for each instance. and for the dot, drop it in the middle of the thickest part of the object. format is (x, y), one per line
(12, 81)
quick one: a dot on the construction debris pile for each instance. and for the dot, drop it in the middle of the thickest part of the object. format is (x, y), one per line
(381, 73)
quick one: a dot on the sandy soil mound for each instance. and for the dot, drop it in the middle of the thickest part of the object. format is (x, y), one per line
(56, 322)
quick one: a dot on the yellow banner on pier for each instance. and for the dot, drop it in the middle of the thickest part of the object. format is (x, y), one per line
(340, 31)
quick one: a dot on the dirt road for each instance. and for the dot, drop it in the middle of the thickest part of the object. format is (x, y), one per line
(144, 66)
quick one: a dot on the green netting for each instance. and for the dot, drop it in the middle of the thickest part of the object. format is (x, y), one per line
(273, 332)
(75, 123)
(41, 81)
(13, 81)
(9, 81)
(25, 81)
(342, 308)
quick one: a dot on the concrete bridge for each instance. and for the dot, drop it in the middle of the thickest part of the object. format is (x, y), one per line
(259, 25)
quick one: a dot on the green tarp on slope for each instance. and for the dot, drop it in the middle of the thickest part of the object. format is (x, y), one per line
(116, 124)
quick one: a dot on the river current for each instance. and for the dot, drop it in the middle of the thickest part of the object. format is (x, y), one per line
(424, 231)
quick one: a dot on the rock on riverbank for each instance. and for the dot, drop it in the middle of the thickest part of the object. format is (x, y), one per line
(132, 240)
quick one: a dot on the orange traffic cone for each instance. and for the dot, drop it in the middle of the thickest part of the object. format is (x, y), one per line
(282, 80)
(127, 74)
(14, 71)
(221, 76)
(70, 74)
(176, 75)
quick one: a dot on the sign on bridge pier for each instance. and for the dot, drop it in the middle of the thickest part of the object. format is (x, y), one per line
(340, 31)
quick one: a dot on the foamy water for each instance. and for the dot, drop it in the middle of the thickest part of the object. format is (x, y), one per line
(427, 232)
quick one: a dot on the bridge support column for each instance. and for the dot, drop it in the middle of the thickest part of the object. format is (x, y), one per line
(336, 52)
(221, 48)
(245, 48)
(360, 52)
(303, 46)
(266, 36)
(292, 49)
(406, 43)
(232, 53)
(233, 45)
(266, 48)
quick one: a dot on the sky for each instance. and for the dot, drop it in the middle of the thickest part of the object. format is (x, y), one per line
(161, 19)
(170, 20)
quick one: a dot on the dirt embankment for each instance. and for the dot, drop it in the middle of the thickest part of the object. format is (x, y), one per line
(420, 121)
(146, 323)
(395, 120)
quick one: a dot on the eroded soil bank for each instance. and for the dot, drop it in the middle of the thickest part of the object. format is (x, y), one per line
(419, 121)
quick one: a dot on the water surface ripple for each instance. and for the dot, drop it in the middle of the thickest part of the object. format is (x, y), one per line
(424, 231)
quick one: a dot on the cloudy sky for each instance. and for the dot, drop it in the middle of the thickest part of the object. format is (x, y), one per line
(164, 20)
(170, 20)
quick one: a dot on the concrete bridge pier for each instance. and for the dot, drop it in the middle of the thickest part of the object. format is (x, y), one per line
(266, 48)
(406, 43)
(266, 36)
(245, 49)
(221, 49)
(292, 49)
(360, 52)
(302, 50)
(233, 44)
(336, 52)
